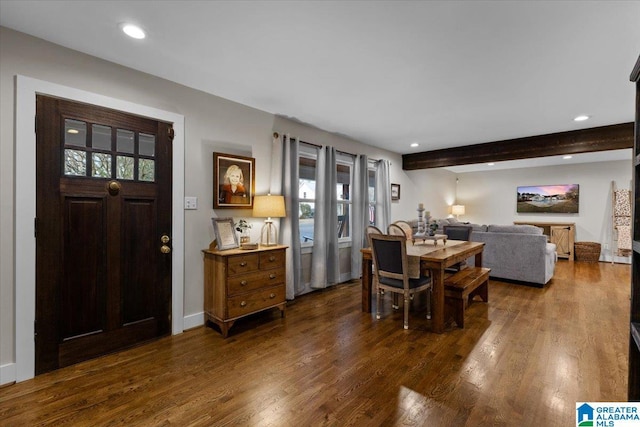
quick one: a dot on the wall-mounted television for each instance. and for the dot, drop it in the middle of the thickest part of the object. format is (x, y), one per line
(564, 198)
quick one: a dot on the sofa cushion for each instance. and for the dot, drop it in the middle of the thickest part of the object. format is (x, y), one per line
(478, 227)
(442, 222)
(522, 229)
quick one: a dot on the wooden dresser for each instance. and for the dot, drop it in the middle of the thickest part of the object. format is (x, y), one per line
(240, 282)
(562, 234)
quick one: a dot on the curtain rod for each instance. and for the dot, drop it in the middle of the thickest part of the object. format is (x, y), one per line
(276, 135)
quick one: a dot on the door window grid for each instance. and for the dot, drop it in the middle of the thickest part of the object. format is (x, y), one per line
(88, 152)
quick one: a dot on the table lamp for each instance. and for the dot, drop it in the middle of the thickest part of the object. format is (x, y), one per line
(457, 210)
(270, 207)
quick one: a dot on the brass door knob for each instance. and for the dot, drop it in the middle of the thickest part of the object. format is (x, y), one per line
(113, 187)
(165, 249)
(165, 239)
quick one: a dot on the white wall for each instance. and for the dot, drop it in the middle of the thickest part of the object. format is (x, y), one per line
(211, 124)
(436, 188)
(490, 197)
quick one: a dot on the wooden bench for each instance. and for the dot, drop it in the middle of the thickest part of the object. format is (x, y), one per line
(461, 287)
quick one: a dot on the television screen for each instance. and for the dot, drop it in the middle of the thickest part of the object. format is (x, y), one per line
(563, 198)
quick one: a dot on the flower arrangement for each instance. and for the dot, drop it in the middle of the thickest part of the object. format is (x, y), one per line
(433, 226)
(242, 226)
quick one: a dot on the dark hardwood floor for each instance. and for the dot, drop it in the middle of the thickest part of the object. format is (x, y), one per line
(523, 359)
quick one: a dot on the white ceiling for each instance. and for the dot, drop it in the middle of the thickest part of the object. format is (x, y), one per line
(441, 74)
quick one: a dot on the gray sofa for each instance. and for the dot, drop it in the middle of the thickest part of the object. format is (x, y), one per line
(513, 252)
(517, 252)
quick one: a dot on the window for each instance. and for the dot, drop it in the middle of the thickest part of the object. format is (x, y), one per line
(371, 185)
(307, 195)
(344, 199)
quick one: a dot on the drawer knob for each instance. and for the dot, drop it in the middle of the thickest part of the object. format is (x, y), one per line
(272, 258)
(272, 276)
(243, 264)
(272, 295)
(243, 304)
(243, 283)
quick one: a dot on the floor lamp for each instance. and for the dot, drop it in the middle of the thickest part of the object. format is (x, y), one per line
(270, 207)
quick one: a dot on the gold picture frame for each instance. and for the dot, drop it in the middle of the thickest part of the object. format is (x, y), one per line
(233, 181)
(225, 233)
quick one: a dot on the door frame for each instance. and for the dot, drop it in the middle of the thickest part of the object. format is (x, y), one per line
(25, 207)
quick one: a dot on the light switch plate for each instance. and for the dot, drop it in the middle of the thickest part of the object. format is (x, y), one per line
(191, 203)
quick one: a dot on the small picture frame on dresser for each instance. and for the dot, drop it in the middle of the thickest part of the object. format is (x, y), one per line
(225, 234)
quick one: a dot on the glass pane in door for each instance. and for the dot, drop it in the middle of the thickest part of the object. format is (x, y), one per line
(101, 165)
(75, 133)
(124, 167)
(101, 137)
(75, 162)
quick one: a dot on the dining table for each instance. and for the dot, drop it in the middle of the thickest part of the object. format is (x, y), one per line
(433, 260)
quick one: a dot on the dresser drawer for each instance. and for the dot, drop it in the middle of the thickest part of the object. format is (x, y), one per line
(254, 301)
(240, 264)
(252, 281)
(272, 259)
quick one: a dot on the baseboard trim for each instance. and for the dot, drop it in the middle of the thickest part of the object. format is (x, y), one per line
(193, 320)
(7, 373)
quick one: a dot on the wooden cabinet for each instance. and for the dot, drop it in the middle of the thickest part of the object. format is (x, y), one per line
(562, 234)
(634, 334)
(239, 282)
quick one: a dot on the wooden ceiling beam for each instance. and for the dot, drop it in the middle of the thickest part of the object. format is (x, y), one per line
(613, 137)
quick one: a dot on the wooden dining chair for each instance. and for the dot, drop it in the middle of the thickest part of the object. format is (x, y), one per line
(391, 271)
(401, 228)
(372, 229)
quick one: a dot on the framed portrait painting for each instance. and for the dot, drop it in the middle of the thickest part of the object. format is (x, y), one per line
(233, 181)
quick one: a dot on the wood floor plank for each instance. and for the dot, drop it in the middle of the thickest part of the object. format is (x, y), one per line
(523, 359)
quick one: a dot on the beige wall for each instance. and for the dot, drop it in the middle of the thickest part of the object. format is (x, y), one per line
(490, 197)
(211, 124)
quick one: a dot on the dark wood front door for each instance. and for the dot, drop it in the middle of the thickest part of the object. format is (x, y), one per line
(103, 231)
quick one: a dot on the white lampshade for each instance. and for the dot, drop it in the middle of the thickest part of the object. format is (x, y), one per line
(457, 210)
(269, 207)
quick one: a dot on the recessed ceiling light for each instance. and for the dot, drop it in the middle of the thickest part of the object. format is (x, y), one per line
(415, 144)
(490, 164)
(72, 131)
(133, 31)
(581, 118)
(567, 157)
